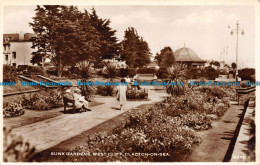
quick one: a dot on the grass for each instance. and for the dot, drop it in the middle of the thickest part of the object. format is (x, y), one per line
(17, 88)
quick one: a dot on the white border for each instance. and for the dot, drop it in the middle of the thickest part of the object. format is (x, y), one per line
(255, 3)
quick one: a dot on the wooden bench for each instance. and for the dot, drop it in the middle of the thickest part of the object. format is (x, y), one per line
(241, 91)
(66, 102)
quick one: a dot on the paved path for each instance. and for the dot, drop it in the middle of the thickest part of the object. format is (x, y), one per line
(242, 152)
(216, 141)
(50, 132)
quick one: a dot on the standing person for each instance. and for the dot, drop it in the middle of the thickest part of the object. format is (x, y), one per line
(80, 101)
(121, 91)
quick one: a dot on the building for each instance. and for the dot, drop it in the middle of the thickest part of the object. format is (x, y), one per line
(17, 49)
(189, 57)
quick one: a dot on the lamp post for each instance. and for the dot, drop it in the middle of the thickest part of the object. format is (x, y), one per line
(237, 30)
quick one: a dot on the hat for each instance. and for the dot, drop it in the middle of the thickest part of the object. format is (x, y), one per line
(77, 89)
(68, 90)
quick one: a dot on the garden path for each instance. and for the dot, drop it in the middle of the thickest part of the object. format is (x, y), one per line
(216, 141)
(50, 132)
(243, 148)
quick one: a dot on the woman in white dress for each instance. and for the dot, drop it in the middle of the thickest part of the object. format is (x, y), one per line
(80, 101)
(121, 91)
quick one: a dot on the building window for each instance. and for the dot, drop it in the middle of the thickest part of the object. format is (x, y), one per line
(4, 47)
(14, 64)
(6, 57)
(14, 54)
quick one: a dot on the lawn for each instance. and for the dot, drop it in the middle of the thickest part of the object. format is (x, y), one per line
(17, 88)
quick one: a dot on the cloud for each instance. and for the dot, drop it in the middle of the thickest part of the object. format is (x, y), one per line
(143, 16)
(18, 20)
(203, 18)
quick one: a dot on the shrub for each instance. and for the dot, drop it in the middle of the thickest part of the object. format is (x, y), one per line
(42, 100)
(85, 69)
(21, 68)
(9, 73)
(15, 149)
(105, 90)
(176, 74)
(246, 74)
(13, 110)
(65, 73)
(35, 70)
(122, 72)
(210, 73)
(131, 72)
(196, 120)
(162, 73)
(88, 91)
(110, 70)
(194, 73)
(52, 72)
(132, 93)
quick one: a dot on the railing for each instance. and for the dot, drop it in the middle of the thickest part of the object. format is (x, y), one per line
(19, 93)
(36, 82)
(240, 91)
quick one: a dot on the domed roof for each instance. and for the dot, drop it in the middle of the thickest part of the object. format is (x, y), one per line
(186, 55)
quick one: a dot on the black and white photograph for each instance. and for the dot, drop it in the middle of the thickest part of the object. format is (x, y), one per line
(149, 81)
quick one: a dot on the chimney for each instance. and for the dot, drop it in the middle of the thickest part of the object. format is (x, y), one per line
(21, 36)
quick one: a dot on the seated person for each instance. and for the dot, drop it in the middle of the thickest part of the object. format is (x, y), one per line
(80, 101)
(68, 95)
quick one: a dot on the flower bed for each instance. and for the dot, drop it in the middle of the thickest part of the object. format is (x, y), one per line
(152, 133)
(13, 110)
(16, 105)
(15, 148)
(168, 127)
(43, 100)
(134, 93)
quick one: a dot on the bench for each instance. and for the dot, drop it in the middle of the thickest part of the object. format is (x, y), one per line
(241, 91)
(66, 102)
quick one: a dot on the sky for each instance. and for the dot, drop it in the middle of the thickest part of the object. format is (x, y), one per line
(204, 29)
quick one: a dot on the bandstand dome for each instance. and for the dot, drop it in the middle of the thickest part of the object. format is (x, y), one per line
(187, 55)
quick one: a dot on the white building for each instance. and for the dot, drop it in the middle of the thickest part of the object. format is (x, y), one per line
(17, 49)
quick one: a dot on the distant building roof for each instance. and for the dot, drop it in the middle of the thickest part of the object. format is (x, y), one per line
(187, 55)
(16, 37)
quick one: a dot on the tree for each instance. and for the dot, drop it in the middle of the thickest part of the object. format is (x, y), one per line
(110, 48)
(64, 34)
(110, 70)
(176, 74)
(165, 58)
(135, 51)
(143, 54)
(85, 72)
